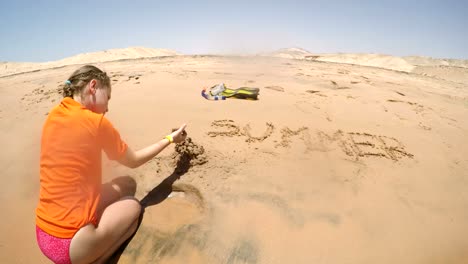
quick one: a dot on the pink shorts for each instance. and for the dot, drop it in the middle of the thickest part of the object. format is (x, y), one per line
(56, 249)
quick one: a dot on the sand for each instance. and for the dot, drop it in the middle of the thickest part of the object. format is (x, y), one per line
(335, 163)
(11, 68)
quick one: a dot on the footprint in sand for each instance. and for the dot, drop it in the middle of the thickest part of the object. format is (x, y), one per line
(337, 87)
(400, 93)
(223, 73)
(315, 92)
(275, 88)
(417, 108)
(41, 94)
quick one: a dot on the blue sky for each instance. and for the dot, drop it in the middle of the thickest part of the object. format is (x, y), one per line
(39, 30)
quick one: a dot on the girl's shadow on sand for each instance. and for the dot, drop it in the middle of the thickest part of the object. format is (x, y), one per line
(154, 197)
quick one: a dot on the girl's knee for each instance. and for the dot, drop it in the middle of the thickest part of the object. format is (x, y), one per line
(133, 206)
(136, 211)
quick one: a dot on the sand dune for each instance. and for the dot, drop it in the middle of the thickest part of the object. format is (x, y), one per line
(335, 163)
(448, 69)
(8, 68)
(116, 54)
(417, 64)
(373, 60)
(288, 53)
(406, 64)
(428, 61)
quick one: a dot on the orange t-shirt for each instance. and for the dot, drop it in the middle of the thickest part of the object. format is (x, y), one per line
(70, 167)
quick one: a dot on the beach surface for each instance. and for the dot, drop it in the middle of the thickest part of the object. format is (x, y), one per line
(351, 159)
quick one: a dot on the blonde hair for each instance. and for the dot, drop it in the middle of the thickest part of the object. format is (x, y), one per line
(81, 77)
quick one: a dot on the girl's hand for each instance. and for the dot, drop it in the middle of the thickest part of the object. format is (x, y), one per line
(179, 135)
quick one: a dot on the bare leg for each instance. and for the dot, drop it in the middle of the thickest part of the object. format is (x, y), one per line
(116, 245)
(118, 222)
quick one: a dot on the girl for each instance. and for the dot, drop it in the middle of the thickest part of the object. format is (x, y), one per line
(70, 227)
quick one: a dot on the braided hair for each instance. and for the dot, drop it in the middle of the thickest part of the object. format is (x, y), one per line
(81, 77)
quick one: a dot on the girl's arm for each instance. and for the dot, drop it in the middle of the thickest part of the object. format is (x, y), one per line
(134, 159)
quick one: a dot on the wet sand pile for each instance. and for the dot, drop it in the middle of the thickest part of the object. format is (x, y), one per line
(188, 154)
